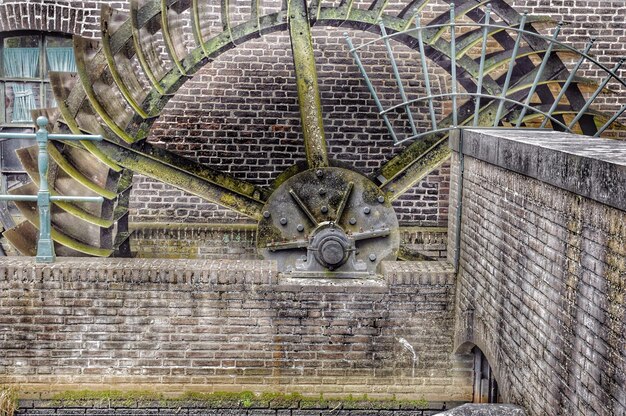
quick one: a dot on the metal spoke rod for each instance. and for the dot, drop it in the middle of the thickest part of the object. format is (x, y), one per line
(509, 74)
(420, 40)
(542, 67)
(396, 74)
(611, 121)
(568, 82)
(370, 87)
(481, 68)
(455, 116)
(596, 93)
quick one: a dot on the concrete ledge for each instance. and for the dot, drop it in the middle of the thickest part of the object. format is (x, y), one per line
(587, 166)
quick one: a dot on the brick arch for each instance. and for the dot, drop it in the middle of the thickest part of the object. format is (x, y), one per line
(474, 334)
(68, 17)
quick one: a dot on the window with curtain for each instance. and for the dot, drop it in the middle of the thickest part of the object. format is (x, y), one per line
(24, 82)
(25, 60)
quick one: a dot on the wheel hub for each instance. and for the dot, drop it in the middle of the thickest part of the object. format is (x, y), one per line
(331, 246)
(328, 222)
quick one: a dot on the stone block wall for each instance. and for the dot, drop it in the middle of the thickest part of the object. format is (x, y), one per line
(173, 326)
(541, 287)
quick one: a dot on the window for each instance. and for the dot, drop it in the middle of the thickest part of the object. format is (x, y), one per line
(25, 60)
(24, 82)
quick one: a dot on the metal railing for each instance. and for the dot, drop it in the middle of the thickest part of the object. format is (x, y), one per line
(45, 245)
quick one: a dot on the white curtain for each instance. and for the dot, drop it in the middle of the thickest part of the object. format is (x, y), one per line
(21, 63)
(23, 102)
(61, 59)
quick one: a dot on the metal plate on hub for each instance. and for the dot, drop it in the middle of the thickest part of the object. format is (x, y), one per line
(328, 223)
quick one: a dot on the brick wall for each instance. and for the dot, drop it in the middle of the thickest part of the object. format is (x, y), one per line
(542, 267)
(57, 16)
(183, 325)
(240, 112)
(238, 241)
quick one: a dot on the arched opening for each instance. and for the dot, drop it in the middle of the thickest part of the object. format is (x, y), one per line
(485, 383)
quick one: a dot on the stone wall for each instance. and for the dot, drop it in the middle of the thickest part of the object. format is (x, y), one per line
(173, 326)
(541, 287)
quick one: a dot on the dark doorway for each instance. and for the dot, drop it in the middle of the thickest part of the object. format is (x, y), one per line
(485, 384)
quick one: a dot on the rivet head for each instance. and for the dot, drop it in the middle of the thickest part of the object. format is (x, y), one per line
(300, 227)
(266, 214)
(283, 221)
(322, 191)
(366, 210)
(372, 257)
(352, 221)
(324, 209)
(381, 199)
(319, 173)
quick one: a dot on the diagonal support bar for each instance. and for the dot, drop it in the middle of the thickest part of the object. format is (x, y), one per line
(306, 79)
(370, 87)
(509, 73)
(156, 169)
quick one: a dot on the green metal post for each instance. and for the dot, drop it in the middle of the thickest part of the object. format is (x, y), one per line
(45, 244)
(45, 247)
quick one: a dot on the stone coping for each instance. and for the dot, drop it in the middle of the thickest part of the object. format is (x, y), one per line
(184, 271)
(587, 166)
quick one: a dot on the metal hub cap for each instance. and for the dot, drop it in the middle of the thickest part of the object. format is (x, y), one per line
(331, 246)
(328, 222)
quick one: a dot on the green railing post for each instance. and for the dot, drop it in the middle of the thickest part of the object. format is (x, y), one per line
(45, 246)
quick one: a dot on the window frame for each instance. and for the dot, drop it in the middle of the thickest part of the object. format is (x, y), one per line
(42, 79)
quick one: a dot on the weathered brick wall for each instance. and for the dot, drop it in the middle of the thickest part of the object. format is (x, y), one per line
(56, 16)
(194, 241)
(174, 325)
(541, 288)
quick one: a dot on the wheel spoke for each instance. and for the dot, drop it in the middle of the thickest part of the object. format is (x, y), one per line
(306, 78)
(213, 186)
